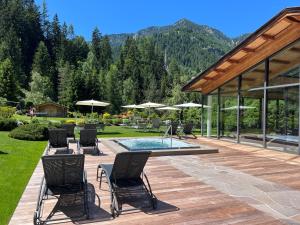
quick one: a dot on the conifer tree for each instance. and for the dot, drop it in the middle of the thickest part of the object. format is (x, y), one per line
(9, 87)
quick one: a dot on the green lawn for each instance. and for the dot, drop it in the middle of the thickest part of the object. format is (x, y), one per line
(28, 118)
(119, 131)
(17, 162)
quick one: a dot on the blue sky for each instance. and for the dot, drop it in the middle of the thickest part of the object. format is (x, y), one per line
(233, 17)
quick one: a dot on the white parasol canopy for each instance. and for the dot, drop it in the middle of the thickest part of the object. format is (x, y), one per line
(133, 106)
(189, 105)
(236, 107)
(169, 108)
(92, 103)
(151, 105)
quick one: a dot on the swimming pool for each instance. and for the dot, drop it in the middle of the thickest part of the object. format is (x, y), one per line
(153, 144)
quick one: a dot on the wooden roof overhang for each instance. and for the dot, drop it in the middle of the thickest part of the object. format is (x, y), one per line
(277, 33)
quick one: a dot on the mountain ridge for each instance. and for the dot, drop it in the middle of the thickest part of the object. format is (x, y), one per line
(193, 46)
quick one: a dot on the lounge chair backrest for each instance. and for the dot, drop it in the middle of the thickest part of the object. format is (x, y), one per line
(129, 165)
(188, 128)
(90, 126)
(174, 128)
(88, 137)
(101, 126)
(63, 170)
(156, 123)
(70, 129)
(58, 138)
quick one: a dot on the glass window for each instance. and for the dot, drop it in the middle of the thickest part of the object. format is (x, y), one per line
(212, 114)
(228, 110)
(283, 100)
(251, 105)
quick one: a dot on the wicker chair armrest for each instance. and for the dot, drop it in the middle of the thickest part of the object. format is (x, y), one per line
(85, 177)
(48, 148)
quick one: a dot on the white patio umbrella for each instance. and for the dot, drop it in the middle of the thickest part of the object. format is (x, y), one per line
(133, 106)
(189, 105)
(169, 108)
(92, 103)
(149, 105)
(236, 107)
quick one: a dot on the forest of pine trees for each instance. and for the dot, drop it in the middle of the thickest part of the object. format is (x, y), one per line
(42, 60)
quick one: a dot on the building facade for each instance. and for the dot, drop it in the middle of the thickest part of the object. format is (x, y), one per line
(251, 95)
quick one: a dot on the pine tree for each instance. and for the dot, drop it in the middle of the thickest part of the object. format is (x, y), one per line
(114, 91)
(91, 77)
(9, 87)
(67, 96)
(96, 47)
(106, 53)
(42, 61)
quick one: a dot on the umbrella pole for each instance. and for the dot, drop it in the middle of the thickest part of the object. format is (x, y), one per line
(92, 108)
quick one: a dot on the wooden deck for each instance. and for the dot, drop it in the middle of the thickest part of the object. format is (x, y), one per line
(189, 197)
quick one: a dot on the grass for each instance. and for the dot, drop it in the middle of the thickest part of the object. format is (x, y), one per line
(119, 131)
(41, 119)
(18, 159)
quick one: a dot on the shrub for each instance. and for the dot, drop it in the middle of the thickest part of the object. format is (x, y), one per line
(116, 121)
(106, 116)
(31, 132)
(7, 111)
(7, 124)
(80, 123)
(70, 121)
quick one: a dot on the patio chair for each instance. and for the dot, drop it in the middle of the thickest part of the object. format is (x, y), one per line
(100, 126)
(90, 126)
(87, 139)
(141, 125)
(70, 130)
(156, 123)
(64, 175)
(58, 140)
(126, 180)
(172, 129)
(188, 129)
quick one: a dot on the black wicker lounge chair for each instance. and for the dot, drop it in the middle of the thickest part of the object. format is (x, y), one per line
(64, 175)
(70, 130)
(126, 180)
(172, 129)
(58, 140)
(88, 139)
(156, 123)
(188, 129)
(90, 126)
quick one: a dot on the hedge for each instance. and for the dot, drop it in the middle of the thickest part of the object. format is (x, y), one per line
(31, 132)
(7, 124)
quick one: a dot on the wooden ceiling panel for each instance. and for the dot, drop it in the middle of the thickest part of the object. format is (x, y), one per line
(212, 74)
(224, 65)
(256, 43)
(279, 32)
(277, 28)
(239, 55)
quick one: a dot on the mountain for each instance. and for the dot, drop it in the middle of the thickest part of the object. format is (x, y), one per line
(193, 46)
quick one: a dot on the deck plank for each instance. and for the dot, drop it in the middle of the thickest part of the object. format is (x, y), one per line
(183, 199)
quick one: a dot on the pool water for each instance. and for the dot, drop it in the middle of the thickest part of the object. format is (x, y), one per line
(154, 144)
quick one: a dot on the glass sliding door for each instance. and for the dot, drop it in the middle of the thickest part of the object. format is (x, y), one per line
(283, 100)
(228, 110)
(251, 106)
(212, 114)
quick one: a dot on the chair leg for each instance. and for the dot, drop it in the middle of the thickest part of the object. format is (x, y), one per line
(101, 175)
